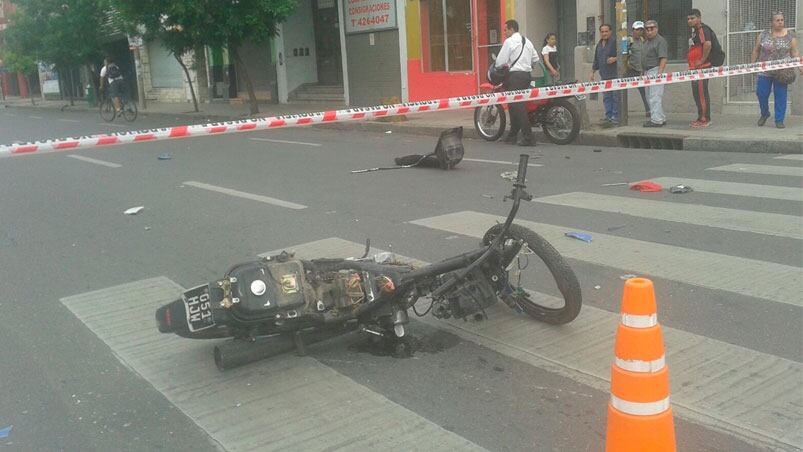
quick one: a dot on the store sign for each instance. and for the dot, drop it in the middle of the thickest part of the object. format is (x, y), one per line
(363, 16)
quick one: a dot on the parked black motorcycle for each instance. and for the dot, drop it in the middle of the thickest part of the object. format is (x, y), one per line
(279, 303)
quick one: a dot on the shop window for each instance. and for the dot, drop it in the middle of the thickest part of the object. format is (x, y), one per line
(446, 25)
(671, 18)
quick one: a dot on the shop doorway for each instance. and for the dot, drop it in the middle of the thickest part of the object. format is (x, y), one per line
(567, 37)
(327, 42)
(489, 34)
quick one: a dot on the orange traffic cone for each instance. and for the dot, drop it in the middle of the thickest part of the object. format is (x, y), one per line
(639, 414)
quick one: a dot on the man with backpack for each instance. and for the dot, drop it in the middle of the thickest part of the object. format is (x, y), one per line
(518, 55)
(112, 74)
(704, 52)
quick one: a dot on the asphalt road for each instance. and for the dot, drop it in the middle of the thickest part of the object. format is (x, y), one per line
(725, 260)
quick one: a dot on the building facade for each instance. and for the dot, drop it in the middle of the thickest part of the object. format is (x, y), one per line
(365, 52)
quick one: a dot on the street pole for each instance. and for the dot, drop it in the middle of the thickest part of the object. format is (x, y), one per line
(140, 83)
(621, 35)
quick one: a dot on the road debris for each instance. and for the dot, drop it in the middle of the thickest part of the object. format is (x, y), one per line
(615, 184)
(579, 236)
(4, 432)
(646, 186)
(389, 131)
(626, 277)
(680, 189)
(597, 287)
(165, 156)
(134, 210)
(488, 196)
(509, 175)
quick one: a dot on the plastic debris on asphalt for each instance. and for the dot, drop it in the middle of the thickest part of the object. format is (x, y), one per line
(615, 184)
(134, 210)
(389, 131)
(680, 189)
(579, 236)
(4, 432)
(509, 175)
(646, 186)
(165, 156)
(626, 277)
(597, 287)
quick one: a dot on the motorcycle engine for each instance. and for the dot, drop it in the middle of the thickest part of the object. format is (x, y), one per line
(470, 297)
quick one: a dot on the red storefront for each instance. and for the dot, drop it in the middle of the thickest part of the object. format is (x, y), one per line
(445, 56)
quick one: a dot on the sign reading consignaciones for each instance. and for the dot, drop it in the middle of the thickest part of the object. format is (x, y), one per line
(363, 16)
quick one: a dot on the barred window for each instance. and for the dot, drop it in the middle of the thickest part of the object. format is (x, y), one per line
(671, 18)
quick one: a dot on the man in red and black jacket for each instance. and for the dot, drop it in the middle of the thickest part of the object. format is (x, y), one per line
(701, 48)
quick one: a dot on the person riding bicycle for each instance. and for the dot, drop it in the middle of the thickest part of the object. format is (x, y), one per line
(111, 73)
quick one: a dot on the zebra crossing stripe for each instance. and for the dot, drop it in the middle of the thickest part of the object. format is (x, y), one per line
(716, 217)
(706, 373)
(258, 398)
(767, 280)
(734, 188)
(760, 169)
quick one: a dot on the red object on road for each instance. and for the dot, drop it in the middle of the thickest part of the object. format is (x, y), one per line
(646, 186)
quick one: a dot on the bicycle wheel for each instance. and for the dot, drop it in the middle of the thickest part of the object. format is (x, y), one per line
(129, 111)
(523, 269)
(107, 110)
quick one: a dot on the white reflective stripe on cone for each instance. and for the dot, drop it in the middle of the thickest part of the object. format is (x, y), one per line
(640, 408)
(635, 365)
(639, 321)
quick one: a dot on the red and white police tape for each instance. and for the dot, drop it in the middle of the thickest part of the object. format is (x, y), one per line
(362, 113)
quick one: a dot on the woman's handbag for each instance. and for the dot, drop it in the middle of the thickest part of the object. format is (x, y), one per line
(498, 75)
(784, 76)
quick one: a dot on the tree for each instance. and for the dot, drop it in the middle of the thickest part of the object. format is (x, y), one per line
(23, 64)
(169, 21)
(65, 33)
(184, 25)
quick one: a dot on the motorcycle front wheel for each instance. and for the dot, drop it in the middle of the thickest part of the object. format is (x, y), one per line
(561, 122)
(525, 267)
(490, 122)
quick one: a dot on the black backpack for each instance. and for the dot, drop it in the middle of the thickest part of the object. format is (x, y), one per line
(112, 71)
(717, 55)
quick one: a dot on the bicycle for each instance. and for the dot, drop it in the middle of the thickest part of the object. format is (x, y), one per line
(128, 109)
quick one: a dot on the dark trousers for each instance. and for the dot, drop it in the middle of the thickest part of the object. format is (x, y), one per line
(699, 89)
(519, 122)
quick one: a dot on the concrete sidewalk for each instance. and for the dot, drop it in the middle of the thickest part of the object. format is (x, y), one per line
(728, 133)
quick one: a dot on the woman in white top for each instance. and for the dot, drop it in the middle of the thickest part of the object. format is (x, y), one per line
(550, 53)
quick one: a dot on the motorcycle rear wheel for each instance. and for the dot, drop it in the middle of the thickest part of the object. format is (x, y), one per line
(561, 122)
(563, 275)
(490, 122)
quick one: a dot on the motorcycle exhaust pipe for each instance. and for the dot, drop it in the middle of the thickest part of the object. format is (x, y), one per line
(236, 353)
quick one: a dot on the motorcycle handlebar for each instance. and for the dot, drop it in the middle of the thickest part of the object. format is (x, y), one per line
(522, 172)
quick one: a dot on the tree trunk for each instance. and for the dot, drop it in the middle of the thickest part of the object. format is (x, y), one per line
(252, 97)
(29, 79)
(71, 86)
(189, 80)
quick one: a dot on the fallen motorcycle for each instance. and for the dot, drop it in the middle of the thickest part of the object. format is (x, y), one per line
(280, 303)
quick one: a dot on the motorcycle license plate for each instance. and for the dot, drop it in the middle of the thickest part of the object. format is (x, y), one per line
(197, 304)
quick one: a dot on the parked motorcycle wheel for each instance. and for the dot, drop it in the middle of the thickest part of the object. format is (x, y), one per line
(563, 275)
(561, 122)
(490, 122)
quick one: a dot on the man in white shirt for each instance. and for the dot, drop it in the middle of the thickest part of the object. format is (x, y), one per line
(520, 61)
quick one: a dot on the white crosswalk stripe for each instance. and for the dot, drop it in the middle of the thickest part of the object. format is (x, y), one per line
(717, 217)
(761, 169)
(734, 188)
(225, 405)
(706, 373)
(771, 281)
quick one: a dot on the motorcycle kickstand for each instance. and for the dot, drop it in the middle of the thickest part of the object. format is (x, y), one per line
(301, 349)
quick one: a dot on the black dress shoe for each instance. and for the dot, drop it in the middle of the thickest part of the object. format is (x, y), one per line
(654, 124)
(762, 120)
